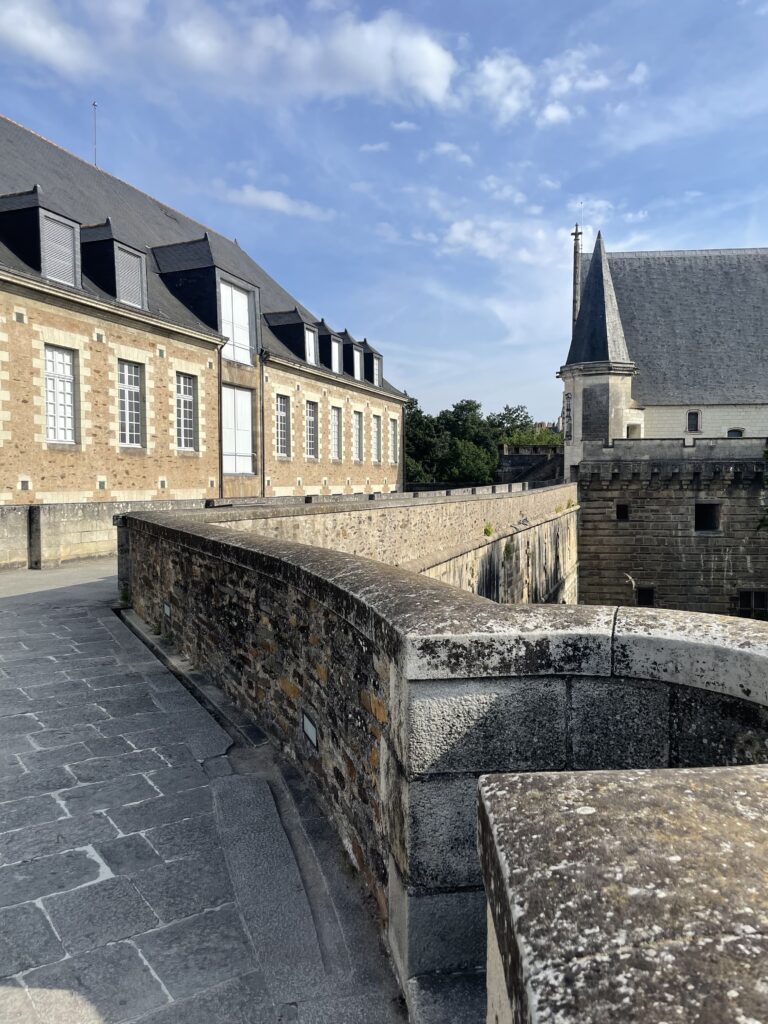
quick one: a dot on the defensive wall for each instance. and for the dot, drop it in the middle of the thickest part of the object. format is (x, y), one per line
(639, 526)
(395, 692)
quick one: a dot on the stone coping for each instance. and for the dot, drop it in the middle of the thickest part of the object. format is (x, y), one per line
(446, 633)
(629, 896)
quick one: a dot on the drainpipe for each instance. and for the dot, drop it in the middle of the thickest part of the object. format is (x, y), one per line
(221, 428)
(263, 357)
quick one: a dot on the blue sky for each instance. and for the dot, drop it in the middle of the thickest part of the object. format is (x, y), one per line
(413, 173)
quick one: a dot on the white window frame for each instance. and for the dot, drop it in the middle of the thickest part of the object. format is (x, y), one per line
(337, 432)
(238, 334)
(394, 441)
(186, 412)
(377, 371)
(358, 436)
(357, 363)
(335, 355)
(376, 439)
(142, 303)
(51, 218)
(310, 346)
(312, 429)
(237, 435)
(130, 402)
(283, 426)
(60, 394)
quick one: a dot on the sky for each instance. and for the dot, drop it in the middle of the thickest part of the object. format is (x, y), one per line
(413, 172)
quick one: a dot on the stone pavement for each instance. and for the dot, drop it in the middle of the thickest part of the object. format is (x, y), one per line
(151, 869)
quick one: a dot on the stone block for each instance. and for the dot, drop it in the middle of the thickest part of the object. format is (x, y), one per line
(54, 837)
(162, 809)
(186, 887)
(619, 723)
(242, 999)
(177, 780)
(102, 769)
(189, 838)
(26, 940)
(709, 729)
(97, 914)
(29, 880)
(30, 811)
(441, 832)
(34, 784)
(103, 795)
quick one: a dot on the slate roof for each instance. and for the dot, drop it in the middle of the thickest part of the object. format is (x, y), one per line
(597, 334)
(76, 189)
(695, 323)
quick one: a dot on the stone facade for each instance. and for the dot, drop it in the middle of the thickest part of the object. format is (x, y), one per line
(639, 538)
(95, 467)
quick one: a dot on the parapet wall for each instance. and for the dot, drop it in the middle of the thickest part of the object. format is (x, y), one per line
(412, 689)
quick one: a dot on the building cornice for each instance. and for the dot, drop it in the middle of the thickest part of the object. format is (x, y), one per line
(596, 369)
(328, 377)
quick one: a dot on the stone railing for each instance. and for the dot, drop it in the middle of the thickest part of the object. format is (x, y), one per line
(396, 692)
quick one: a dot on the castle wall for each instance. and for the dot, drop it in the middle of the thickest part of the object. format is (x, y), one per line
(716, 420)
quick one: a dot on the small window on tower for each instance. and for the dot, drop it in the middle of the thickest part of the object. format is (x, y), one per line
(693, 421)
(646, 597)
(736, 432)
(706, 517)
(634, 430)
(622, 513)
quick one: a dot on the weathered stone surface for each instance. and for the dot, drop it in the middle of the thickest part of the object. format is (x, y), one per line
(98, 769)
(54, 836)
(187, 838)
(618, 723)
(128, 855)
(185, 887)
(29, 811)
(162, 809)
(97, 914)
(102, 795)
(30, 880)
(26, 940)
(244, 999)
(615, 894)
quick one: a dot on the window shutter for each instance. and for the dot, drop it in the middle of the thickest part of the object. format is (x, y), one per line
(58, 250)
(129, 277)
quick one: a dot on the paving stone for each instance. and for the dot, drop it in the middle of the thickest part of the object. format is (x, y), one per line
(128, 855)
(96, 769)
(30, 811)
(178, 755)
(63, 717)
(19, 725)
(15, 1005)
(176, 780)
(10, 766)
(125, 707)
(60, 689)
(129, 725)
(100, 746)
(199, 952)
(15, 701)
(115, 680)
(369, 1007)
(190, 838)
(119, 692)
(26, 940)
(162, 810)
(15, 744)
(62, 737)
(54, 837)
(185, 887)
(29, 880)
(103, 795)
(34, 784)
(39, 759)
(242, 1000)
(177, 699)
(217, 767)
(98, 914)
(105, 986)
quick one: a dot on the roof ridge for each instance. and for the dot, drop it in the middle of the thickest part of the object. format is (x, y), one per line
(753, 251)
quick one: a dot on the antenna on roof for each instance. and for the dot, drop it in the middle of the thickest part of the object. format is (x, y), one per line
(94, 104)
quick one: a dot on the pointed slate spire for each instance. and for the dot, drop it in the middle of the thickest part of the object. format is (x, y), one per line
(598, 336)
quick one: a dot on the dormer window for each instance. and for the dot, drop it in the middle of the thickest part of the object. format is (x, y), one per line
(130, 277)
(377, 371)
(310, 346)
(235, 323)
(60, 249)
(357, 357)
(336, 355)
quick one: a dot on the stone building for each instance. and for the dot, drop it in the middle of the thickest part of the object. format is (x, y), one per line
(665, 419)
(145, 357)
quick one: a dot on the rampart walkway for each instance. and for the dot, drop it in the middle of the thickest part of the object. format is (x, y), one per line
(151, 869)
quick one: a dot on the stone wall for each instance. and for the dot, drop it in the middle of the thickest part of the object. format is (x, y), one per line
(414, 689)
(637, 527)
(14, 533)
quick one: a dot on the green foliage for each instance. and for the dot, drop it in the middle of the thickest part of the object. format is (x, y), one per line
(460, 445)
(488, 529)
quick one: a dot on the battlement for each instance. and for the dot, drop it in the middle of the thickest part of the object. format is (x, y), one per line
(695, 449)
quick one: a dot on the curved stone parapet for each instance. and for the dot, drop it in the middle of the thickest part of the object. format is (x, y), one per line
(396, 692)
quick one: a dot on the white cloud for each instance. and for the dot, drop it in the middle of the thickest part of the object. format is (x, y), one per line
(453, 151)
(571, 71)
(387, 232)
(525, 241)
(374, 147)
(425, 236)
(554, 113)
(635, 216)
(547, 182)
(505, 83)
(592, 208)
(404, 126)
(639, 75)
(277, 202)
(534, 210)
(34, 28)
(497, 188)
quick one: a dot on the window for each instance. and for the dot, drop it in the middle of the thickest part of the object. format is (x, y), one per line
(394, 447)
(377, 371)
(357, 436)
(567, 416)
(735, 432)
(336, 356)
(376, 439)
(235, 323)
(59, 250)
(186, 411)
(753, 604)
(311, 420)
(706, 517)
(129, 268)
(283, 425)
(622, 513)
(310, 346)
(60, 394)
(646, 597)
(336, 433)
(694, 422)
(236, 433)
(129, 388)
(634, 430)
(357, 363)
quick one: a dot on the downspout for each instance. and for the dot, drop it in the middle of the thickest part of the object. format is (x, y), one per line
(221, 427)
(263, 356)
